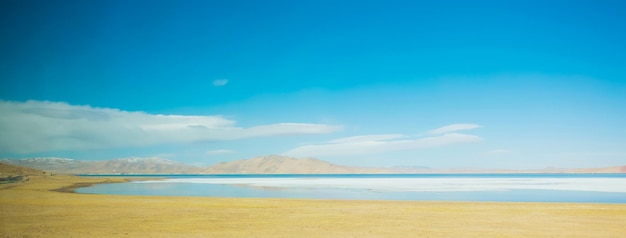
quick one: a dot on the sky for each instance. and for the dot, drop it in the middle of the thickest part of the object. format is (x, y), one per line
(442, 84)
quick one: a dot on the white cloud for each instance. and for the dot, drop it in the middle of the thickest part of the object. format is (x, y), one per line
(452, 128)
(219, 152)
(371, 144)
(367, 138)
(38, 126)
(220, 82)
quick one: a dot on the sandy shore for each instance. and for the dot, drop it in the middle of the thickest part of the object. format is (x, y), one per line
(32, 209)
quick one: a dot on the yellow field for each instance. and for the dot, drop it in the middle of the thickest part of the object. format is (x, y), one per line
(32, 210)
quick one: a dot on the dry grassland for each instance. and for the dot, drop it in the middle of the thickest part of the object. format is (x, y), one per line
(32, 210)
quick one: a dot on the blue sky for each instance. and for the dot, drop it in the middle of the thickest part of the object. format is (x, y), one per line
(489, 84)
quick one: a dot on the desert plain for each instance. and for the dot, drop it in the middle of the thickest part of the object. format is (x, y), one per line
(45, 206)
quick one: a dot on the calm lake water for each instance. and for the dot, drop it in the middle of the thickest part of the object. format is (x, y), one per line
(593, 188)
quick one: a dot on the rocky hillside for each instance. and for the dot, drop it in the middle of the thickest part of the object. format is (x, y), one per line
(116, 166)
(275, 164)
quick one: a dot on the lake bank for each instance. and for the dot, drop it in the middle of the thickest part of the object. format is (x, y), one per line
(31, 209)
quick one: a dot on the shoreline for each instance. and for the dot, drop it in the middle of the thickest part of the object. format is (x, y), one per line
(613, 198)
(72, 188)
(109, 179)
(35, 209)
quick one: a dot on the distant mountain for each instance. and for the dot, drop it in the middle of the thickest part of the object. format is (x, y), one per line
(153, 165)
(132, 165)
(614, 169)
(272, 164)
(275, 164)
(410, 169)
(52, 164)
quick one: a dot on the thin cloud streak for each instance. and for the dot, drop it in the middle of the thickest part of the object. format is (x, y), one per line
(220, 82)
(453, 128)
(219, 152)
(379, 144)
(368, 138)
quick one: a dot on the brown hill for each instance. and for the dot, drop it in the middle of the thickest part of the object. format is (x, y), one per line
(12, 170)
(275, 164)
(12, 174)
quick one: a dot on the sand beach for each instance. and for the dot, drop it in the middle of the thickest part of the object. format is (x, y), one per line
(45, 206)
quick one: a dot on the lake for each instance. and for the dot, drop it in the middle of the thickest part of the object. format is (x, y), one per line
(590, 188)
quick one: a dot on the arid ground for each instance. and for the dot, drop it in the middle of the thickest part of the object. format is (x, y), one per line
(32, 209)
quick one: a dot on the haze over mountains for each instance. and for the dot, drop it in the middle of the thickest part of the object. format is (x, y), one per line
(272, 164)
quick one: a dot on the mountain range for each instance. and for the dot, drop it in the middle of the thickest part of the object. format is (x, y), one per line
(272, 164)
(133, 165)
(275, 164)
